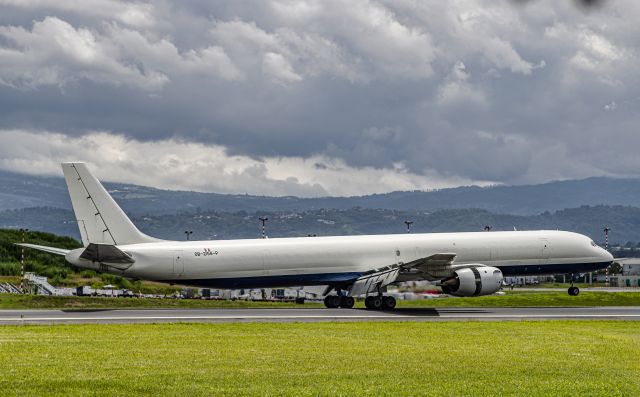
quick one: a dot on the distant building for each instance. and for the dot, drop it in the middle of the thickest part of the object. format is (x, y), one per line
(625, 281)
(630, 276)
(631, 267)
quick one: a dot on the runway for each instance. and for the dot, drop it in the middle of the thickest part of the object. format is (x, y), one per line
(16, 317)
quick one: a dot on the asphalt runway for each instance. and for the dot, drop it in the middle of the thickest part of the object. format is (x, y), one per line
(16, 317)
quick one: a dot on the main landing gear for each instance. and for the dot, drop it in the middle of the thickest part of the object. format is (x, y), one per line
(380, 302)
(373, 302)
(335, 301)
(573, 290)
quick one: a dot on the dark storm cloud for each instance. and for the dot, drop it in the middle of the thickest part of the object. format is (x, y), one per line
(466, 90)
(579, 3)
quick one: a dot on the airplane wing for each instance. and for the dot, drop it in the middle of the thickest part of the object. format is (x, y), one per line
(624, 260)
(52, 250)
(431, 267)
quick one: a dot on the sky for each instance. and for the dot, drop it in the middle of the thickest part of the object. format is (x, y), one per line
(317, 98)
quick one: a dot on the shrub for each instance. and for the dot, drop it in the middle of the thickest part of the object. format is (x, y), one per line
(9, 269)
(88, 274)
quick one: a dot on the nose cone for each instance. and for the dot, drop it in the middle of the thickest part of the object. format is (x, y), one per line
(606, 256)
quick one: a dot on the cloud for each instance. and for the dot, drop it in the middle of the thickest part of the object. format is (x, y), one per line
(54, 53)
(179, 165)
(130, 13)
(279, 68)
(428, 91)
(457, 89)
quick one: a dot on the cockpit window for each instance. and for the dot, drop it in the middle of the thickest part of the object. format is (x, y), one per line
(593, 244)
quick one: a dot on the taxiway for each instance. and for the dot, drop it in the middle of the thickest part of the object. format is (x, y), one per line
(315, 315)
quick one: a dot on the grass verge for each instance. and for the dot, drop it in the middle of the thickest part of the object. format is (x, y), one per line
(533, 299)
(13, 301)
(307, 359)
(511, 299)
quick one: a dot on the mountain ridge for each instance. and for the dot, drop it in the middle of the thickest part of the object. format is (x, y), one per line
(24, 191)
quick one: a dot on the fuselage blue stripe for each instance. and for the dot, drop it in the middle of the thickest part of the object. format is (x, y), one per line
(563, 268)
(347, 278)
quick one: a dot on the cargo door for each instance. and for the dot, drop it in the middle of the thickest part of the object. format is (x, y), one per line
(178, 263)
(268, 263)
(546, 248)
(397, 257)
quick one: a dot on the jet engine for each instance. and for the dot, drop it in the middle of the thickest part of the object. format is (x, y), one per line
(475, 280)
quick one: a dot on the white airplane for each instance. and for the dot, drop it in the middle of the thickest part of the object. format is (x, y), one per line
(463, 264)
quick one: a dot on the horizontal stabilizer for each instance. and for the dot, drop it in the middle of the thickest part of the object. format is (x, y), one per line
(106, 253)
(52, 250)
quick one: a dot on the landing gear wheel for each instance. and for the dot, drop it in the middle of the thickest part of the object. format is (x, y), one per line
(367, 302)
(347, 302)
(388, 303)
(373, 302)
(332, 301)
(574, 291)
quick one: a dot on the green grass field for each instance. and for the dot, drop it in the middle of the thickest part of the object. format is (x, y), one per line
(533, 298)
(511, 299)
(13, 301)
(553, 358)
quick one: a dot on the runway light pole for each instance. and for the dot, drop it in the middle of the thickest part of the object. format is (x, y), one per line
(264, 220)
(188, 233)
(23, 231)
(606, 247)
(408, 223)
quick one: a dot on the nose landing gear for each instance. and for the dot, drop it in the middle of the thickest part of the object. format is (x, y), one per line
(573, 290)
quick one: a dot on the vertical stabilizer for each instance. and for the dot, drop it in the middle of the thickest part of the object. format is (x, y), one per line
(100, 219)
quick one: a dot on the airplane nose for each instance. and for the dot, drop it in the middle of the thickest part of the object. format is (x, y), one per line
(607, 256)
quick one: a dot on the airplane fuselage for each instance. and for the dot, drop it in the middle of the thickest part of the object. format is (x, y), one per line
(333, 260)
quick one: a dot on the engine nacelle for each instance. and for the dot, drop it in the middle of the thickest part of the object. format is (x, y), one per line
(475, 280)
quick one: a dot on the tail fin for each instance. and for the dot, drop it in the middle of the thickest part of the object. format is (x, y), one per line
(100, 219)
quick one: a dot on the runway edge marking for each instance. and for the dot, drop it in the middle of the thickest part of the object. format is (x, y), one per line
(328, 317)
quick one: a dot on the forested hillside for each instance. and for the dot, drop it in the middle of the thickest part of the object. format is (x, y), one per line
(59, 272)
(623, 221)
(42, 263)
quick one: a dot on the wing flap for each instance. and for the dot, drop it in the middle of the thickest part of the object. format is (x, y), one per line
(374, 282)
(445, 259)
(435, 266)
